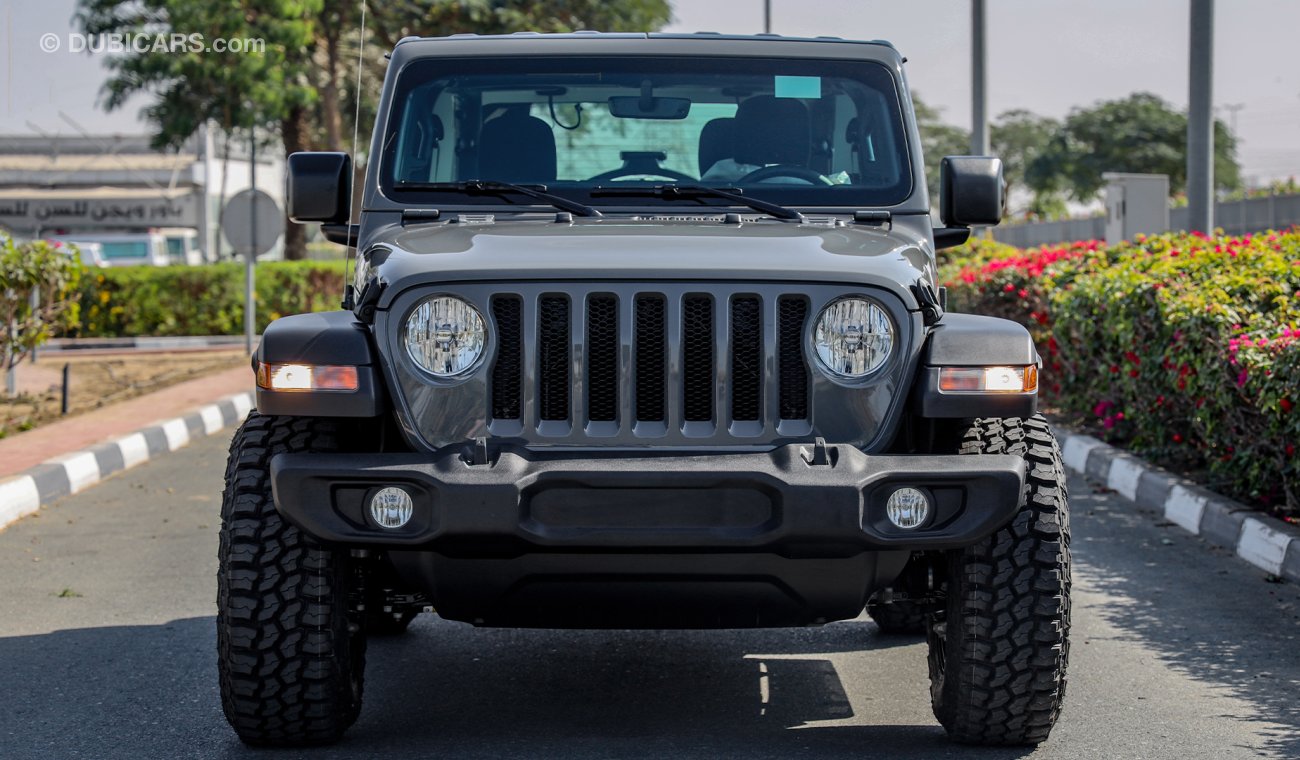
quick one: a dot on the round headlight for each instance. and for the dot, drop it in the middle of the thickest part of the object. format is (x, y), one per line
(445, 336)
(853, 337)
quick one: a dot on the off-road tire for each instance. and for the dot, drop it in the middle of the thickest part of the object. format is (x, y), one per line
(290, 660)
(900, 618)
(998, 648)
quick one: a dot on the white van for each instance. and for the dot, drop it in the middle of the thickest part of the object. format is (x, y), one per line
(124, 248)
(182, 245)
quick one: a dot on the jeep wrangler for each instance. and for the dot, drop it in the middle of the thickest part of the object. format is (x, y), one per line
(644, 332)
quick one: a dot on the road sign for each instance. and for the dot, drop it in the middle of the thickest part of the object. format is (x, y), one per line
(252, 222)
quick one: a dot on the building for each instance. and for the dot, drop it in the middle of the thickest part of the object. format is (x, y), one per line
(66, 185)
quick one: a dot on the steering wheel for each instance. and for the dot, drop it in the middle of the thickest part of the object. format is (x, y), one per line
(782, 170)
(625, 171)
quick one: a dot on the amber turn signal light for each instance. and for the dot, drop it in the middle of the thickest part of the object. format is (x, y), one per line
(306, 377)
(988, 379)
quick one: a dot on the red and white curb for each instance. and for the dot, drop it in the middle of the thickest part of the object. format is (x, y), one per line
(71, 473)
(1265, 542)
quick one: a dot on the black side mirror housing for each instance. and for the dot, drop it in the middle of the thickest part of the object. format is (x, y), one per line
(319, 187)
(970, 191)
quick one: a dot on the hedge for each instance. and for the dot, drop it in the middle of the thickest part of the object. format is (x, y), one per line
(201, 300)
(1182, 347)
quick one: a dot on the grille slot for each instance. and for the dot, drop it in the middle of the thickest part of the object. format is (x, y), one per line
(697, 358)
(792, 313)
(650, 359)
(553, 379)
(602, 358)
(507, 373)
(746, 358)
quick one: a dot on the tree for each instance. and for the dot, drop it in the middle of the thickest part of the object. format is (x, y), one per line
(1140, 133)
(38, 295)
(1018, 137)
(303, 84)
(938, 139)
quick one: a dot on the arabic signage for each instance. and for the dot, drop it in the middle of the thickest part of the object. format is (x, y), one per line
(70, 213)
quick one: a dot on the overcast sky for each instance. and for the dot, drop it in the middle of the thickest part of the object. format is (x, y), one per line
(1047, 56)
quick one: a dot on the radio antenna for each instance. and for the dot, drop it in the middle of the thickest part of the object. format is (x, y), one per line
(349, 291)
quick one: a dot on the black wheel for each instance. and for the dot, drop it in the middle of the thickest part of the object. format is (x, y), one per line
(289, 657)
(903, 617)
(999, 647)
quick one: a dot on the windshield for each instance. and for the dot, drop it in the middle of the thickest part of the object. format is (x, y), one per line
(794, 132)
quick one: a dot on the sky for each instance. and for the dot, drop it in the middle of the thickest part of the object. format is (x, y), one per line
(1046, 56)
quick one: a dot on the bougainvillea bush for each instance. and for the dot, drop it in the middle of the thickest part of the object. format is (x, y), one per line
(1182, 347)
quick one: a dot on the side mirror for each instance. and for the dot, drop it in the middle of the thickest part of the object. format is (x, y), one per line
(970, 191)
(319, 187)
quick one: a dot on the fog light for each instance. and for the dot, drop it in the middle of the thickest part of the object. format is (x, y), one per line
(391, 507)
(908, 508)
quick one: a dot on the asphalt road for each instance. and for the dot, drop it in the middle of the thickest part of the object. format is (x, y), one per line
(107, 651)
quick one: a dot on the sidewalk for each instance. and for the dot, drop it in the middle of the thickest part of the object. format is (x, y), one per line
(24, 450)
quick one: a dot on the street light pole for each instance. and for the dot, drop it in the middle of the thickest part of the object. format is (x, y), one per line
(767, 16)
(1200, 118)
(979, 132)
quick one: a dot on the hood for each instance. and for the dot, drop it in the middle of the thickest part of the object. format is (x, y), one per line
(637, 250)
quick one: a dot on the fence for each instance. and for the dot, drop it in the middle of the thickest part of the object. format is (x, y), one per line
(1235, 217)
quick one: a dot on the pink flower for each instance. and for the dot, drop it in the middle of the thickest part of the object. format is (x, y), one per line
(1241, 378)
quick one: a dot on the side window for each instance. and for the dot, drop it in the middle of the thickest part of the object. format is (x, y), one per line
(877, 158)
(421, 153)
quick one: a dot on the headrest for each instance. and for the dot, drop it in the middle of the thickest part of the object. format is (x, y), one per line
(772, 130)
(516, 147)
(717, 142)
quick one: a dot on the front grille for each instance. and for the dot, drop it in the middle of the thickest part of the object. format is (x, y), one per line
(706, 363)
(697, 358)
(792, 367)
(602, 358)
(746, 359)
(507, 373)
(650, 359)
(553, 357)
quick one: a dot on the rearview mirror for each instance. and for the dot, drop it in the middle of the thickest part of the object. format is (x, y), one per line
(648, 107)
(319, 187)
(970, 191)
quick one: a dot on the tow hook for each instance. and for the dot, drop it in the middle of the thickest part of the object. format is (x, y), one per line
(819, 455)
(477, 455)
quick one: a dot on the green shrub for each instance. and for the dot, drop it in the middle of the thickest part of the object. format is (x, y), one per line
(201, 300)
(38, 295)
(1182, 347)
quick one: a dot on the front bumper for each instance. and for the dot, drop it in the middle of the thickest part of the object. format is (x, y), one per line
(791, 536)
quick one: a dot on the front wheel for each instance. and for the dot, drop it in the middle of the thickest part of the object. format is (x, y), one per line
(999, 646)
(290, 655)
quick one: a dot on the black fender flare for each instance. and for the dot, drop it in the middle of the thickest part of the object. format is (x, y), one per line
(326, 338)
(972, 340)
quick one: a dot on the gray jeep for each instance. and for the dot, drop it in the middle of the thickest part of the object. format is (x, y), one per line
(644, 333)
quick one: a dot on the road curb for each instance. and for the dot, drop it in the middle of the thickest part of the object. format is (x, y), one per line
(1265, 542)
(70, 473)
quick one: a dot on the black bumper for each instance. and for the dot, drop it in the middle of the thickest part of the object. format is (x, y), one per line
(792, 536)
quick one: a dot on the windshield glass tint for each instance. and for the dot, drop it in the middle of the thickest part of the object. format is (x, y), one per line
(797, 132)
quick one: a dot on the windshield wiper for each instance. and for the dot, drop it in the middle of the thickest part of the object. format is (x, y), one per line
(697, 191)
(496, 187)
